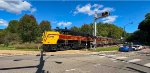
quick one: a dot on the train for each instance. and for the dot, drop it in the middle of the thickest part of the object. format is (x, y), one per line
(66, 39)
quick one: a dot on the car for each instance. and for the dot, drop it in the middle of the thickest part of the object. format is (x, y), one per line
(137, 47)
(125, 48)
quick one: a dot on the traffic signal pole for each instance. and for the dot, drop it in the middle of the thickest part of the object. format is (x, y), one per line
(95, 33)
(104, 14)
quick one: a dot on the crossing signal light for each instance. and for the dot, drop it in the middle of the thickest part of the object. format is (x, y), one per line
(104, 14)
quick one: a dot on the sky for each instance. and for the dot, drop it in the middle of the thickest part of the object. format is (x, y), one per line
(75, 13)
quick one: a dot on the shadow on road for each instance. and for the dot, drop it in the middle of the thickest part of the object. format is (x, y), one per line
(39, 67)
(17, 67)
(136, 70)
(41, 64)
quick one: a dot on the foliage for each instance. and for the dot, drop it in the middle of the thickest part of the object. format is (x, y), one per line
(2, 35)
(24, 30)
(27, 46)
(13, 26)
(145, 24)
(86, 29)
(28, 28)
(142, 35)
(103, 29)
(138, 36)
(74, 28)
(109, 30)
(44, 26)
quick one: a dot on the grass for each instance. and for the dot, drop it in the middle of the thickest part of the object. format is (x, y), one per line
(112, 48)
(12, 48)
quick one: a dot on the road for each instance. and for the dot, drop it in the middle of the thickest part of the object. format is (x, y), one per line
(111, 62)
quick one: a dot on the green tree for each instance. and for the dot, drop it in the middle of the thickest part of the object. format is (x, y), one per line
(2, 35)
(109, 30)
(86, 29)
(145, 24)
(13, 26)
(74, 28)
(44, 26)
(28, 28)
(144, 27)
(138, 36)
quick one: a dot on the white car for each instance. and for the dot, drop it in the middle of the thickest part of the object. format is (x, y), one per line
(137, 47)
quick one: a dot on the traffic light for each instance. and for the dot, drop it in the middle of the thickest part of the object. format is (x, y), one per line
(104, 14)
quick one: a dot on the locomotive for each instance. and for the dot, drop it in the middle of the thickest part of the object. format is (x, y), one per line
(65, 39)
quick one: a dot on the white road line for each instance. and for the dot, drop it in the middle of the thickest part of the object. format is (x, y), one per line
(111, 55)
(67, 70)
(147, 64)
(72, 69)
(134, 60)
(97, 65)
(101, 56)
(121, 57)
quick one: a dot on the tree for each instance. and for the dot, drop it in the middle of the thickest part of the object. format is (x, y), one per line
(44, 26)
(74, 28)
(103, 29)
(28, 28)
(109, 30)
(144, 26)
(2, 35)
(13, 26)
(138, 37)
(86, 29)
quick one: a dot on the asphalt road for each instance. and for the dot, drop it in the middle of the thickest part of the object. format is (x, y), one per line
(112, 62)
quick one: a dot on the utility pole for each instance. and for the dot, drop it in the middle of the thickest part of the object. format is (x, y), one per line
(124, 31)
(95, 33)
(97, 16)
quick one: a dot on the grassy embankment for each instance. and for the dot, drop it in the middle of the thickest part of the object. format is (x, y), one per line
(24, 48)
(33, 47)
(111, 48)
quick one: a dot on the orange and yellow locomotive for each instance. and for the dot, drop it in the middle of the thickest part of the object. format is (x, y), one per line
(64, 39)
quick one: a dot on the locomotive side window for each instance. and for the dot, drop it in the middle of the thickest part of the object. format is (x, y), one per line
(50, 36)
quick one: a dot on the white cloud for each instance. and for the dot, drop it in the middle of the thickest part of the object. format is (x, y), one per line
(16, 6)
(90, 9)
(64, 23)
(109, 19)
(33, 10)
(3, 22)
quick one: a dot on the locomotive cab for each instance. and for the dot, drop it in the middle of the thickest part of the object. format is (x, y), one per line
(49, 40)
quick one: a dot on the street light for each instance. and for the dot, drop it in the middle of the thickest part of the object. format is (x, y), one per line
(124, 30)
(96, 17)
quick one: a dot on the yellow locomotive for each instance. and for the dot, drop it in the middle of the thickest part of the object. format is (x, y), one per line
(64, 39)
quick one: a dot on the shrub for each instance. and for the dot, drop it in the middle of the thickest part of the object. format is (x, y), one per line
(27, 46)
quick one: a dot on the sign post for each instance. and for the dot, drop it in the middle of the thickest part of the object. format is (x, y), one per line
(96, 16)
